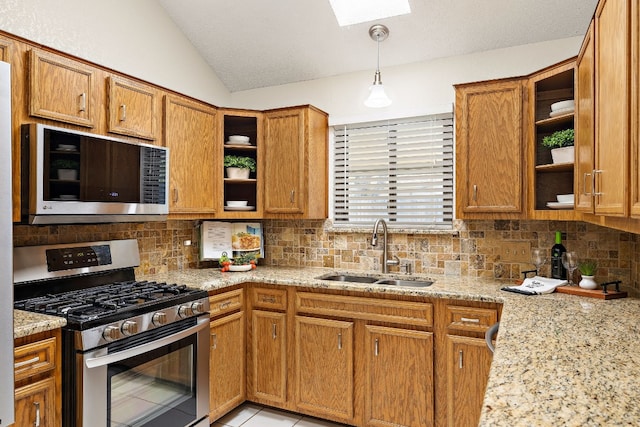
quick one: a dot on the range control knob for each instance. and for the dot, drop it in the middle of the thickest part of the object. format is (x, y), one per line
(159, 318)
(185, 311)
(129, 327)
(197, 307)
(111, 333)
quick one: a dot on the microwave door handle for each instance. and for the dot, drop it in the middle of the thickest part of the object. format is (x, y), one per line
(141, 349)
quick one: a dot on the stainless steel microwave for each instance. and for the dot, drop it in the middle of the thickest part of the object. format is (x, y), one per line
(71, 177)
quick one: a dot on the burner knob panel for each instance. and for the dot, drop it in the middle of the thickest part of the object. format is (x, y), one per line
(159, 319)
(129, 327)
(111, 333)
(197, 307)
(185, 311)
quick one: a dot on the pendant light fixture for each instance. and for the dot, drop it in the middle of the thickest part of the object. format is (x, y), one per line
(377, 97)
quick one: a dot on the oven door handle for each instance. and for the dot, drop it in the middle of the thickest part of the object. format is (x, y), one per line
(95, 362)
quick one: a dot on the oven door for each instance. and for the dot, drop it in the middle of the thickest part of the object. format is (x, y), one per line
(159, 378)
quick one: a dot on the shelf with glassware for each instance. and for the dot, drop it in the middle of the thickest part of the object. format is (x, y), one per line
(240, 161)
(551, 93)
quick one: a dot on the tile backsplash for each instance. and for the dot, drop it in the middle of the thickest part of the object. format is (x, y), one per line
(472, 249)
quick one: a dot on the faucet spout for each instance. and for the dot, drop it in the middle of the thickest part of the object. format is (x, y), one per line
(374, 241)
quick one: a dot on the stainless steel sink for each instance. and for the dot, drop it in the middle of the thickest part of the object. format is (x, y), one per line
(347, 278)
(375, 280)
(397, 282)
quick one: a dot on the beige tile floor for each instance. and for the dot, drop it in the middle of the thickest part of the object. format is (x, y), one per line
(252, 415)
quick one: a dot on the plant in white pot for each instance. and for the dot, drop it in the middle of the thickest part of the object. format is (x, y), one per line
(239, 167)
(588, 270)
(66, 169)
(561, 145)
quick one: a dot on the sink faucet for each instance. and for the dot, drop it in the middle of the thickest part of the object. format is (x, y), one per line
(374, 241)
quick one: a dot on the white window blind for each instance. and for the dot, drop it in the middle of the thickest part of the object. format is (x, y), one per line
(400, 170)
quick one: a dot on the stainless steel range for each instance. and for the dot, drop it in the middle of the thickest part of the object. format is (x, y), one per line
(135, 353)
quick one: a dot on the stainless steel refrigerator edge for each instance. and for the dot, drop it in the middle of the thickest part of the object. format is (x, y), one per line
(6, 252)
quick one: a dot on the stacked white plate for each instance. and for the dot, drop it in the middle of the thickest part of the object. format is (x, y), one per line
(565, 201)
(238, 140)
(562, 107)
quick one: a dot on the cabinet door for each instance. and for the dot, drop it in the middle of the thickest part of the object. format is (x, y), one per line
(399, 377)
(635, 110)
(226, 365)
(190, 135)
(489, 148)
(269, 356)
(61, 89)
(612, 59)
(468, 364)
(35, 404)
(324, 367)
(284, 161)
(131, 108)
(584, 130)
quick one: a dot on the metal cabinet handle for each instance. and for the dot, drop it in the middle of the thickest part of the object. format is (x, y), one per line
(214, 338)
(82, 102)
(376, 347)
(175, 195)
(26, 362)
(475, 193)
(274, 331)
(340, 341)
(37, 423)
(595, 172)
(123, 112)
(469, 320)
(460, 359)
(584, 184)
(292, 196)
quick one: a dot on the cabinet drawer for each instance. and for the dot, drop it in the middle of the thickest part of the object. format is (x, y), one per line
(275, 299)
(382, 310)
(35, 358)
(226, 302)
(471, 319)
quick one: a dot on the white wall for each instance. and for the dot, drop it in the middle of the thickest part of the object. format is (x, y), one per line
(415, 89)
(135, 37)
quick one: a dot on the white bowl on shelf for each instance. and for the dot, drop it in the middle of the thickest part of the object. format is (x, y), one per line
(565, 198)
(239, 138)
(237, 203)
(563, 105)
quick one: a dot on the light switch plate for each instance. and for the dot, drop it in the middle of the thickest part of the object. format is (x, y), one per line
(515, 251)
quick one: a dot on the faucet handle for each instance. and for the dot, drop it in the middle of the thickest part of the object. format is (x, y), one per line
(405, 267)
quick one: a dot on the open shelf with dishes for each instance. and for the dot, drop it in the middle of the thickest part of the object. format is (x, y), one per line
(551, 94)
(240, 192)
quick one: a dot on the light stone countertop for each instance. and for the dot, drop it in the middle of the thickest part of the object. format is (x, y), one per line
(560, 359)
(25, 323)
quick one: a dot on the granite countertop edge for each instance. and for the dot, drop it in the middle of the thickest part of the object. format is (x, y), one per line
(560, 359)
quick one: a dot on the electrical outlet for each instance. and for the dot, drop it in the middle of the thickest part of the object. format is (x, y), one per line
(515, 251)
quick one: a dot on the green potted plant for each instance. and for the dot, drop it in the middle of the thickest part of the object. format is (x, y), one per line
(239, 167)
(561, 145)
(66, 169)
(588, 271)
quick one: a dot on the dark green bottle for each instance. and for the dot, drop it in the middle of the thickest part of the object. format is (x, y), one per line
(557, 269)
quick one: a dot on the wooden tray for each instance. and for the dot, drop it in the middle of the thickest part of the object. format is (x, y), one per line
(591, 293)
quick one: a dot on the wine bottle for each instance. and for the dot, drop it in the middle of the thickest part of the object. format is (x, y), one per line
(557, 269)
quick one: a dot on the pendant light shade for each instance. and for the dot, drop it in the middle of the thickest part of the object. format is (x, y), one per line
(377, 96)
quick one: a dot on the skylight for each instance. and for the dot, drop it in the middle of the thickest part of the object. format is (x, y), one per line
(349, 12)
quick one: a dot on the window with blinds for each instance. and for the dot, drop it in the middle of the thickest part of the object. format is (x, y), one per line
(400, 170)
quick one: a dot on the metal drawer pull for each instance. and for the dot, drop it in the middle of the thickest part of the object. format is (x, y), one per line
(460, 359)
(37, 423)
(82, 102)
(214, 337)
(274, 332)
(340, 341)
(469, 320)
(26, 362)
(123, 112)
(376, 347)
(224, 305)
(271, 300)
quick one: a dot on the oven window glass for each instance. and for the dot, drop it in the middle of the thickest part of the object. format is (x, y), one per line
(156, 389)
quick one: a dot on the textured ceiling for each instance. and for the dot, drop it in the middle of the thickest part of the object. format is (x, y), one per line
(259, 43)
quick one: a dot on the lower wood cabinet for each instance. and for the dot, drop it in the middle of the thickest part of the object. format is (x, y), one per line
(468, 364)
(268, 376)
(324, 367)
(35, 404)
(399, 377)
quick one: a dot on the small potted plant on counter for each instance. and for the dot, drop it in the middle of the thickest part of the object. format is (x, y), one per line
(66, 169)
(239, 167)
(561, 145)
(588, 271)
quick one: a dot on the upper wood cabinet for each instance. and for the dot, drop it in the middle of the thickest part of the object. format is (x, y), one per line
(635, 109)
(131, 108)
(612, 101)
(5, 47)
(190, 135)
(295, 163)
(61, 89)
(490, 150)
